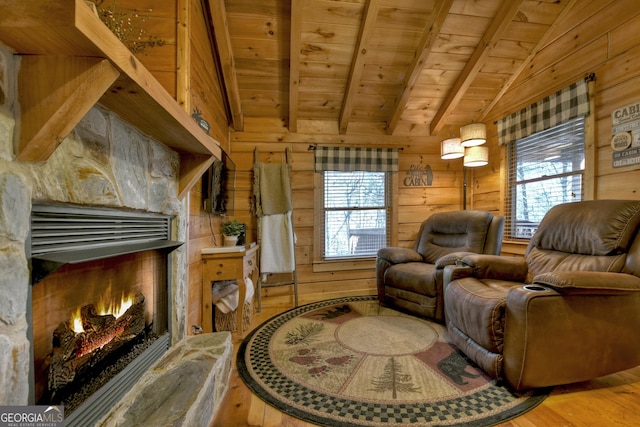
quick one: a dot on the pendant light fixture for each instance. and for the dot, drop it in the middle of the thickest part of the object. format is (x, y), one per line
(476, 156)
(451, 149)
(473, 134)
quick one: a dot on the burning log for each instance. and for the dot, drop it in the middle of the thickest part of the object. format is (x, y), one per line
(92, 321)
(74, 354)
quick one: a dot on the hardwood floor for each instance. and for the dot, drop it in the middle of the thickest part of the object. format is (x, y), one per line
(613, 400)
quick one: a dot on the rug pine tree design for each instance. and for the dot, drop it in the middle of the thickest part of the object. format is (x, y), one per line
(304, 334)
(393, 379)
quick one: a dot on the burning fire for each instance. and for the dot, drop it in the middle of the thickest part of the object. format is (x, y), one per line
(76, 322)
(115, 308)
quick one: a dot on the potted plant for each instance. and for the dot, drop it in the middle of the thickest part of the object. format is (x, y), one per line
(231, 229)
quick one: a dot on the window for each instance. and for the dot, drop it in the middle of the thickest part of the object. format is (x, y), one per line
(545, 145)
(354, 203)
(356, 211)
(545, 169)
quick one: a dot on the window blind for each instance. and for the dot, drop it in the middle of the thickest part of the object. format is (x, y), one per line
(545, 169)
(356, 213)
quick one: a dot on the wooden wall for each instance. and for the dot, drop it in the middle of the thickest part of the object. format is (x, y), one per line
(202, 91)
(414, 203)
(204, 232)
(601, 38)
(204, 87)
(598, 37)
(159, 22)
(184, 30)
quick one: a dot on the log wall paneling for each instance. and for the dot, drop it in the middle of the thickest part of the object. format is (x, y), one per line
(538, 54)
(598, 38)
(207, 94)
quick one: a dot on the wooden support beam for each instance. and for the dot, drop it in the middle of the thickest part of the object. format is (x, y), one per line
(427, 41)
(224, 52)
(191, 169)
(491, 37)
(55, 93)
(294, 63)
(369, 16)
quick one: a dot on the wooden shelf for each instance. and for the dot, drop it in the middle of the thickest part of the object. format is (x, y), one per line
(75, 61)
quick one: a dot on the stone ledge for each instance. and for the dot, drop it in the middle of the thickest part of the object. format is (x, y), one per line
(184, 388)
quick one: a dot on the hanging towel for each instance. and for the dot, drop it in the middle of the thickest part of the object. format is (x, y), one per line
(278, 243)
(272, 188)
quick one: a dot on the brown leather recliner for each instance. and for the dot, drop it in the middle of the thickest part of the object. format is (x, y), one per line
(411, 279)
(568, 311)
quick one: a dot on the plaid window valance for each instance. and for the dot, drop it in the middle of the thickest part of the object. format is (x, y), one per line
(348, 159)
(566, 104)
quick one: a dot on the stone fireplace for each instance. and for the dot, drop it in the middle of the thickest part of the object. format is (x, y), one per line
(103, 163)
(99, 299)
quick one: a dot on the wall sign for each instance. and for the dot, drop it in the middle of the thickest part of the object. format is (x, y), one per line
(417, 176)
(625, 135)
(621, 141)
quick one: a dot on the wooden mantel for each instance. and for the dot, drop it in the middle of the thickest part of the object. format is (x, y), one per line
(71, 61)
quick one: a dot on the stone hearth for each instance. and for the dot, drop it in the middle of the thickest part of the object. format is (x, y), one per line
(184, 388)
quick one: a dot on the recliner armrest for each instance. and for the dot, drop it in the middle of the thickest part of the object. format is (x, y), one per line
(453, 272)
(496, 267)
(589, 282)
(450, 259)
(396, 255)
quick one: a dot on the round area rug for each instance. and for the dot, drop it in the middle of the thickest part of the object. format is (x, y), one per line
(350, 362)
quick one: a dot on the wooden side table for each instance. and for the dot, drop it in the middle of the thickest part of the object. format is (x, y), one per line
(227, 266)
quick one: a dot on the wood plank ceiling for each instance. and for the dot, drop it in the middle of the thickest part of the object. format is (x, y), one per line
(423, 64)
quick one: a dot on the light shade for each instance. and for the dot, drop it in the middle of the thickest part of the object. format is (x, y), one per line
(451, 149)
(476, 156)
(473, 134)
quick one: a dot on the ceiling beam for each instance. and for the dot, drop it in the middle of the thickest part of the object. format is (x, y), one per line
(425, 46)
(487, 43)
(370, 14)
(222, 40)
(525, 64)
(294, 63)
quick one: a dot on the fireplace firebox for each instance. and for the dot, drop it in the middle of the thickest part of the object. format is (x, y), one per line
(100, 304)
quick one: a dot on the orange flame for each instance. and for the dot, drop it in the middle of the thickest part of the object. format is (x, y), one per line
(117, 309)
(76, 322)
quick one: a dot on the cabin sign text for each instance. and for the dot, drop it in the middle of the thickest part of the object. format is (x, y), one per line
(417, 176)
